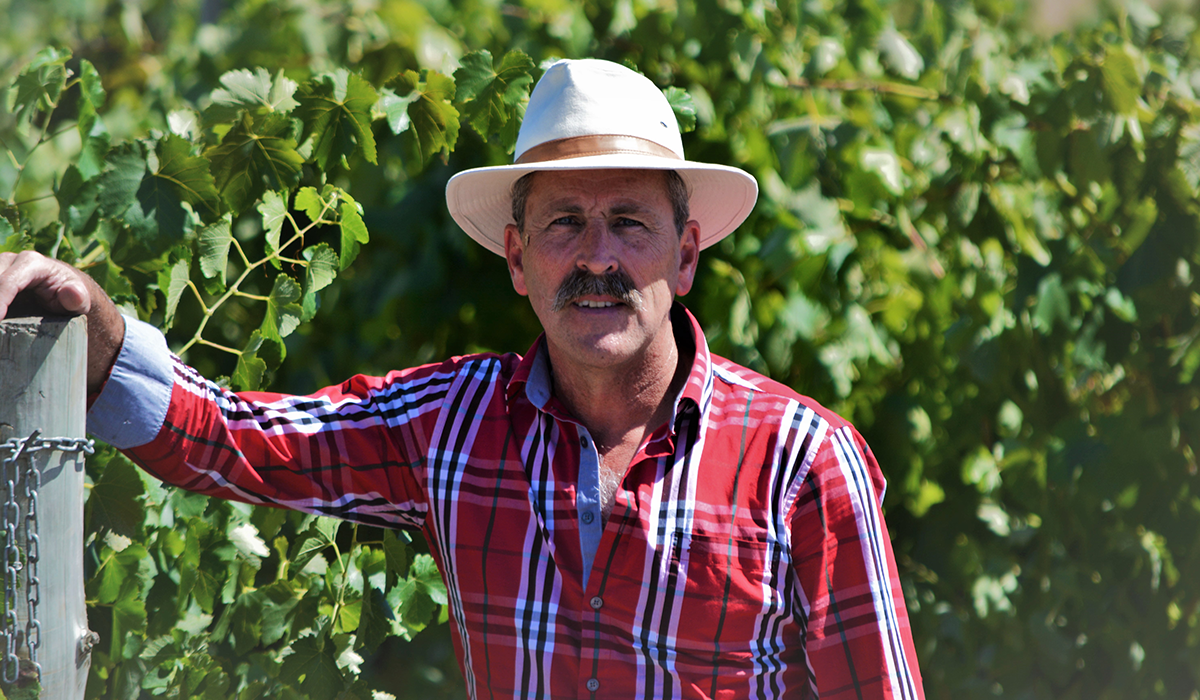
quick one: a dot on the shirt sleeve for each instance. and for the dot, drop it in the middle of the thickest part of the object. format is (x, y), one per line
(350, 451)
(859, 641)
(130, 409)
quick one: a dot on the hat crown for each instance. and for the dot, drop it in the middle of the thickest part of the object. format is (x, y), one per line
(591, 97)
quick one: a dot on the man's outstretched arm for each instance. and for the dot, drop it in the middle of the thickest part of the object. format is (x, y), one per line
(56, 288)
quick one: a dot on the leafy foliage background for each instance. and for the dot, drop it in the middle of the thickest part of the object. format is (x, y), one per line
(976, 241)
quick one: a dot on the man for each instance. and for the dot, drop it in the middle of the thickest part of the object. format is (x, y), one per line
(616, 514)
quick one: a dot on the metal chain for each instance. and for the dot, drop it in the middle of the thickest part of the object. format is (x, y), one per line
(33, 592)
(10, 558)
(12, 565)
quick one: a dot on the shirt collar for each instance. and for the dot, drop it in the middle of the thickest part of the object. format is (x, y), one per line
(532, 375)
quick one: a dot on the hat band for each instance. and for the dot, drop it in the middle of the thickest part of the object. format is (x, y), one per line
(596, 145)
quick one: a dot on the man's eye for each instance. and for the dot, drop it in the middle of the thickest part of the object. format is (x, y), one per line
(564, 221)
(624, 222)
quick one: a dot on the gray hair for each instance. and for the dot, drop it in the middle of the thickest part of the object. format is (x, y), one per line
(677, 193)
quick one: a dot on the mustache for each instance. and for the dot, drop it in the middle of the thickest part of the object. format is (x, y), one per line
(581, 283)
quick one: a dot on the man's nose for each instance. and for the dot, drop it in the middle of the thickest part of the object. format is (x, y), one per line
(597, 249)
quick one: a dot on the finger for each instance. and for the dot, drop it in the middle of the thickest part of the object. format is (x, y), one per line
(57, 285)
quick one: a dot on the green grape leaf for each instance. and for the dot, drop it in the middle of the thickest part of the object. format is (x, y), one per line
(118, 575)
(190, 176)
(277, 602)
(417, 598)
(684, 107)
(283, 313)
(336, 109)
(252, 158)
(395, 553)
(93, 134)
(394, 109)
(147, 205)
(9, 237)
(113, 501)
(319, 535)
(309, 201)
(312, 667)
(247, 375)
(375, 620)
(160, 220)
(254, 92)
(213, 248)
(77, 201)
(493, 99)
(1122, 83)
(124, 170)
(273, 209)
(425, 572)
(173, 281)
(128, 622)
(1053, 305)
(354, 233)
(39, 85)
(322, 267)
(434, 120)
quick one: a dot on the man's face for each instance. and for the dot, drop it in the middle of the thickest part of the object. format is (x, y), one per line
(582, 227)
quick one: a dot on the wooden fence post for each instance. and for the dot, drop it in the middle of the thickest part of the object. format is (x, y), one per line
(43, 375)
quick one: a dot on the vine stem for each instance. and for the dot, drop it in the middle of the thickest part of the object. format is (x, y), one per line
(42, 139)
(900, 89)
(234, 288)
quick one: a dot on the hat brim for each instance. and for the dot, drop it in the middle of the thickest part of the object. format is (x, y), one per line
(480, 199)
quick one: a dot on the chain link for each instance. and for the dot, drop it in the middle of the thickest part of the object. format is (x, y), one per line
(10, 557)
(33, 592)
(12, 564)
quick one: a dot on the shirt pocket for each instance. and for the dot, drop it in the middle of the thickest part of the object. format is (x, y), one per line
(726, 592)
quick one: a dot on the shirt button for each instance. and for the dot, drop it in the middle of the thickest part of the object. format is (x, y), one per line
(596, 602)
(587, 517)
(583, 441)
(593, 685)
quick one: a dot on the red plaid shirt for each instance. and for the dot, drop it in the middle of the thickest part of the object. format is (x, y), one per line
(746, 555)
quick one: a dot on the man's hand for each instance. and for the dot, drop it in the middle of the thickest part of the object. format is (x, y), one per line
(51, 287)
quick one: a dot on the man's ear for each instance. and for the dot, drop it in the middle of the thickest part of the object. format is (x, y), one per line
(514, 251)
(689, 257)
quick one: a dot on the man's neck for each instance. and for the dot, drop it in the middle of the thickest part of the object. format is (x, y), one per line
(627, 401)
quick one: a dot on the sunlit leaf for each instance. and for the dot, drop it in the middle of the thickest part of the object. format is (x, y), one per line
(273, 209)
(283, 313)
(336, 109)
(311, 202)
(251, 90)
(899, 55)
(173, 282)
(354, 233)
(213, 249)
(39, 84)
(394, 109)
(434, 120)
(493, 99)
(319, 535)
(684, 107)
(1122, 82)
(93, 134)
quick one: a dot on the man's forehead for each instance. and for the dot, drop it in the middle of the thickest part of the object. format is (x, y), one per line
(634, 187)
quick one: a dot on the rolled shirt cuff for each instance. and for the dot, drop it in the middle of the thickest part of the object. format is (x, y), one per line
(132, 406)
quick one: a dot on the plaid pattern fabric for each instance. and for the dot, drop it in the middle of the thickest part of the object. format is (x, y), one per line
(746, 555)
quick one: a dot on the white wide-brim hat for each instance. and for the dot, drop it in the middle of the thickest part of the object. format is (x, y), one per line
(597, 115)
